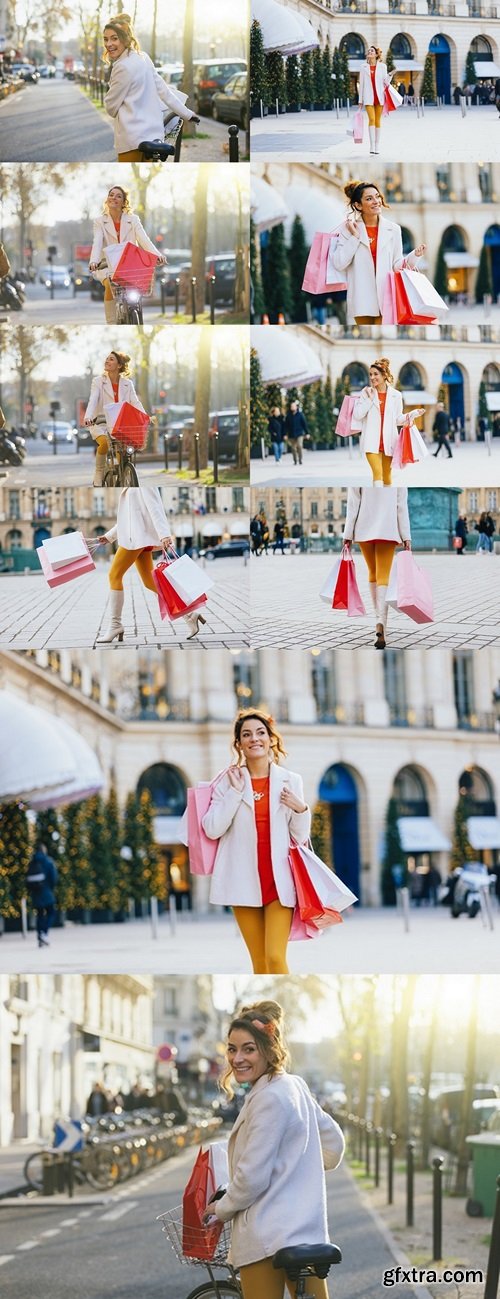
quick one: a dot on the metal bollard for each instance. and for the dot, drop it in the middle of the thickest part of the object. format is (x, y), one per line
(197, 455)
(165, 449)
(378, 1135)
(178, 146)
(48, 1179)
(70, 1181)
(360, 1139)
(410, 1181)
(234, 143)
(368, 1134)
(177, 291)
(211, 289)
(493, 1268)
(179, 456)
(163, 297)
(216, 457)
(193, 298)
(391, 1142)
(437, 1208)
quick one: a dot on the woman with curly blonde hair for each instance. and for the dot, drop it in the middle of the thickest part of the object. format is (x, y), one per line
(257, 809)
(113, 385)
(117, 225)
(374, 80)
(366, 247)
(279, 1148)
(379, 411)
(137, 96)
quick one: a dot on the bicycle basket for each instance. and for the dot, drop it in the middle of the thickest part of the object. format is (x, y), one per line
(140, 279)
(131, 437)
(190, 1243)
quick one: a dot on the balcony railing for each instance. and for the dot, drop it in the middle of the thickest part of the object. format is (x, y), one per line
(402, 7)
(405, 715)
(476, 721)
(342, 715)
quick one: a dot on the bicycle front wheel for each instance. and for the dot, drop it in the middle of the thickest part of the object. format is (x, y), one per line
(225, 1290)
(129, 475)
(111, 478)
(33, 1171)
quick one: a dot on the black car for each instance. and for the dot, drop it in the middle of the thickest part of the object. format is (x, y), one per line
(227, 424)
(212, 76)
(231, 103)
(223, 549)
(96, 291)
(223, 266)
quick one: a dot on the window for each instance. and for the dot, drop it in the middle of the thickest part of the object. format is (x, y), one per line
(170, 1006)
(211, 500)
(14, 505)
(357, 375)
(473, 501)
(324, 685)
(353, 45)
(481, 49)
(238, 500)
(443, 180)
(491, 499)
(14, 539)
(314, 509)
(410, 793)
(100, 504)
(453, 240)
(485, 181)
(184, 506)
(246, 678)
(463, 685)
(395, 686)
(167, 788)
(400, 47)
(410, 376)
(69, 502)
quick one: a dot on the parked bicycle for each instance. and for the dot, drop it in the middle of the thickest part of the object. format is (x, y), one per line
(99, 1165)
(119, 470)
(298, 1261)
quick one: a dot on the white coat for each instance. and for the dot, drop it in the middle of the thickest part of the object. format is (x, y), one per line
(377, 514)
(131, 231)
(367, 411)
(278, 1149)
(351, 255)
(365, 88)
(141, 519)
(231, 819)
(101, 394)
(137, 98)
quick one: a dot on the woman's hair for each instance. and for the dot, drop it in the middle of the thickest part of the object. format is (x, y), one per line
(123, 362)
(263, 1020)
(383, 364)
(126, 199)
(355, 189)
(122, 25)
(277, 747)
(378, 51)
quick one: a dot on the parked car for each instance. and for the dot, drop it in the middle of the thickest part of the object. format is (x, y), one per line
(176, 418)
(223, 266)
(84, 437)
(64, 432)
(59, 276)
(227, 424)
(82, 281)
(27, 71)
(231, 103)
(224, 549)
(447, 1109)
(210, 76)
(172, 73)
(179, 259)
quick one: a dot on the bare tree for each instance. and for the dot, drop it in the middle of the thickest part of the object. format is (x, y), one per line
(187, 57)
(404, 994)
(427, 1074)
(26, 349)
(153, 30)
(468, 1096)
(202, 396)
(142, 180)
(199, 242)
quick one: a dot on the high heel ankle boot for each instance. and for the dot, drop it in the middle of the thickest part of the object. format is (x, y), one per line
(115, 631)
(193, 620)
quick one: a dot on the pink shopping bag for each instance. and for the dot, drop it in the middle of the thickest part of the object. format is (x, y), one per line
(58, 576)
(315, 276)
(358, 126)
(410, 589)
(340, 590)
(202, 850)
(389, 309)
(346, 424)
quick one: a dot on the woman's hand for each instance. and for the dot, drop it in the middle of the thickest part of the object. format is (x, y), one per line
(236, 779)
(195, 119)
(351, 226)
(419, 252)
(407, 545)
(93, 266)
(163, 259)
(167, 542)
(371, 393)
(415, 414)
(290, 800)
(347, 542)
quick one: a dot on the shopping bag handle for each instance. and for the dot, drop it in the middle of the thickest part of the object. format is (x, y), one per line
(170, 554)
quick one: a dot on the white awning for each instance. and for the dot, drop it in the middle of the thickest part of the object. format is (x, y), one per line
(284, 357)
(355, 65)
(240, 528)
(418, 397)
(457, 261)
(268, 208)
(283, 29)
(316, 209)
(421, 834)
(483, 832)
(167, 829)
(484, 68)
(493, 401)
(183, 530)
(408, 65)
(44, 760)
(211, 530)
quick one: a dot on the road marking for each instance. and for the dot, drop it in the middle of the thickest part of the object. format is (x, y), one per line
(69, 1222)
(6, 1258)
(29, 1244)
(120, 1212)
(85, 1213)
(52, 1231)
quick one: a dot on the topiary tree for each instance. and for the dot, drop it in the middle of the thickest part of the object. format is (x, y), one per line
(275, 73)
(15, 855)
(76, 886)
(308, 403)
(345, 74)
(258, 403)
(276, 275)
(483, 408)
(326, 60)
(101, 860)
(470, 70)
(259, 89)
(258, 302)
(441, 272)
(323, 422)
(319, 87)
(293, 81)
(329, 403)
(428, 89)
(297, 258)
(152, 873)
(393, 855)
(321, 832)
(131, 846)
(461, 850)
(484, 278)
(48, 831)
(389, 58)
(306, 76)
(114, 826)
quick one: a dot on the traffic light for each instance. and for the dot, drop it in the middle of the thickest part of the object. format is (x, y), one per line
(55, 407)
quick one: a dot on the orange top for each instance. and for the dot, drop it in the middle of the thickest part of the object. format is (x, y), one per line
(115, 387)
(269, 891)
(117, 226)
(381, 401)
(373, 70)
(372, 232)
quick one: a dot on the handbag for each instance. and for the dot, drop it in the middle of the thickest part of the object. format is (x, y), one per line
(71, 570)
(127, 423)
(346, 425)
(358, 126)
(405, 315)
(202, 850)
(410, 589)
(341, 590)
(318, 276)
(199, 1241)
(458, 543)
(392, 99)
(63, 550)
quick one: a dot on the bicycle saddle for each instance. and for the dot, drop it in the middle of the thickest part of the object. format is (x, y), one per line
(156, 149)
(294, 1258)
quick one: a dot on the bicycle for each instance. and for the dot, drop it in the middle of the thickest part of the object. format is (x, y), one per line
(128, 300)
(298, 1261)
(120, 470)
(170, 146)
(97, 1166)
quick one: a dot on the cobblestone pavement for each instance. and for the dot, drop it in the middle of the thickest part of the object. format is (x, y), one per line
(287, 611)
(75, 615)
(442, 135)
(471, 466)
(369, 939)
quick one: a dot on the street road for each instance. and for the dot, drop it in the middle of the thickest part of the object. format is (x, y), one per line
(118, 1249)
(69, 468)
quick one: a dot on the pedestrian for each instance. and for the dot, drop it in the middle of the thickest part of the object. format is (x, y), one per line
(456, 95)
(485, 528)
(137, 96)
(410, 93)
(113, 385)
(441, 427)
(141, 528)
(490, 527)
(366, 247)
(257, 808)
(41, 881)
(402, 89)
(378, 521)
(278, 1150)
(482, 428)
(295, 429)
(117, 225)
(379, 410)
(97, 1102)
(256, 535)
(461, 531)
(276, 430)
(279, 537)
(374, 81)
(497, 95)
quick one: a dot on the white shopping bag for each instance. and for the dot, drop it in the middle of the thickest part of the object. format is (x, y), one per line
(64, 550)
(331, 890)
(419, 448)
(112, 410)
(327, 590)
(218, 1163)
(113, 252)
(187, 579)
(422, 296)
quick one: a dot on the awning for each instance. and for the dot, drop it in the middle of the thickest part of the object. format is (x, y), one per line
(355, 65)
(418, 397)
(408, 65)
(316, 209)
(240, 528)
(484, 832)
(421, 834)
(283, 29)
(484, 68)
(268, 208)
(211, 530)
(183, 530)
(44, 760)
(493, 400)
(459, 261)
(284, 357)
(167, 829)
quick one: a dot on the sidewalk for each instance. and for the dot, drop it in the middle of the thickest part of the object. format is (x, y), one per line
(286, 610)
(32, 616)
(442, 135)
(471, 465)
(12, 1161)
